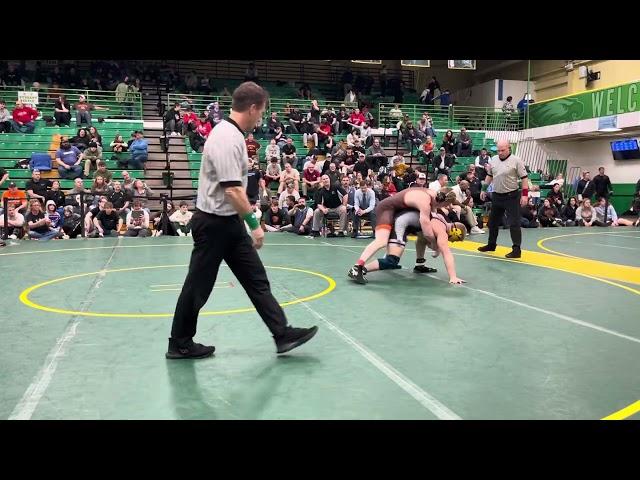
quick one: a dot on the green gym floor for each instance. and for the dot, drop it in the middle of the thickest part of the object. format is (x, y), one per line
(555, 335)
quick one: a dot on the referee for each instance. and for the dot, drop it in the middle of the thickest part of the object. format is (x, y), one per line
(219, 233)
(504, 171)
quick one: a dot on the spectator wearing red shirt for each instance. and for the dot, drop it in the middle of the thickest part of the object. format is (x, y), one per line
(310, 180)
(189, 120)
(24, 118)
(252, 146)
(324, 130)
(356, 118)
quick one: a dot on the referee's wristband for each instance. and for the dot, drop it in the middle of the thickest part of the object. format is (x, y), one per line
(484, 187)
(525, 192)
(251, 220)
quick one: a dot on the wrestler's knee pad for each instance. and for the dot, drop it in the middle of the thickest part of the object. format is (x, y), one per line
(390, 262)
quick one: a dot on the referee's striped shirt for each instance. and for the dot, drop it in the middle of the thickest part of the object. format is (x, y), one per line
(224, 164)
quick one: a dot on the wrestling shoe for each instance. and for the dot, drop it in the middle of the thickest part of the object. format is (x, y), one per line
(357, 273)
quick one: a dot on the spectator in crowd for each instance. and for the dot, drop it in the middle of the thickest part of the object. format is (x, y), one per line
(106, 221)
(481, 163)
(139, 152)
(330, 199)
(38, 224)
(251, 73)
(189, 120)
(91, 157)
(439, 182)
(119, 146)
(376, 156)
(342, 117)
(71, 223)
(449, 143)
(275, 217)
(443, 162)
(310, 178)
(215, 113)
(127, 180)
(464, 209)
(548, 215)
(24, 118)
(568, 213)
(141, 192)
(181, 220)
(555, 196)
(272, 150)
(103, 172)
(602, 184)
(420, 182)
(507, 106)
(585, 214)
(300, 218)
(37, 186)
(19, 197)
(612, 220)
(160, 220)
(356, 119)
(524, 103)
(529, 215)
(68, 158)
(120, 199)
(273, 123)
(288, 191)
(289, 174)
(361, 166)
(81, 140)
(173, 121)
(586, 187)
(273, 171)
(5, 118)
(294, 120)
(56, 195)
(425, 127)
(94, 135)
(364, 202)
(137, 221)
(99, 188)
(254, 180)
(83, 111)
(62, 111)
(252, 146)
(559, 180)
(15, 223)
(464, 146)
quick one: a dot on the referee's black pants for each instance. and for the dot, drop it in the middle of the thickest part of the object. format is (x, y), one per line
(508, 203)
(218, 238)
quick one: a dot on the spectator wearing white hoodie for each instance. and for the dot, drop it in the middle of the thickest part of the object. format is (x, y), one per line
(181, 220)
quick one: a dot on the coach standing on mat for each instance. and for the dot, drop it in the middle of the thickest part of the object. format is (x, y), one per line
(505, 171)
(219, 233)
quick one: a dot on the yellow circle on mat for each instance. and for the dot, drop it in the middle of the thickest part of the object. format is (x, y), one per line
(24, 295)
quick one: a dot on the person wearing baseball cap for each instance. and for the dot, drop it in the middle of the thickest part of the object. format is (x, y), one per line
(443, 162)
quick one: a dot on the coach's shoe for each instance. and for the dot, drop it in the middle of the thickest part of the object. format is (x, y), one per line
(357, 273)
(487, 248)
(294, 337)
(188, 350)
(514, 253)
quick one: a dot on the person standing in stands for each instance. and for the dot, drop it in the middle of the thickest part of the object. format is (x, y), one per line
(219, 233)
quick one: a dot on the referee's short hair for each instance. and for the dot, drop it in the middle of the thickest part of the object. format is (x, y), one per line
(247, 94)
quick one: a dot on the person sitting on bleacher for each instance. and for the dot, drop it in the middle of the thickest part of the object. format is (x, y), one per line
(62, 111)
(356, 119)
(330, 199)
(83, 111)
(289, 174)
(24, 118)
(465, 207)
(181, 220)
(443, 162)
(104, 172)
(15, 223)
(106, 222)
(137, 221)
(173, 121)
(425, 127)
(56, 195)
(310, 178)
(20, 202)
(548, 215)
(37, 186)
(38, 224)
(273, 171)
(449, 143)
(275, 217)
(288, 191)
(139, 152)
(141, 192)
(127, 180)
(118, 146)
(464, 146)
(364, 202)
(555, 196)
(5, 118)
(375, 155)
(120, 199)
(529, 215)
(272, 150)
(81, 140)
(273, 123)
(330, 116)
(189, 120)
(91, 157)
(94, 136)
(52, 213)
(68, 158)
(252, 146)
(481, 163)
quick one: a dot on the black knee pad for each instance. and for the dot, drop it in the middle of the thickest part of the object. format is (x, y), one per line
(390, 262)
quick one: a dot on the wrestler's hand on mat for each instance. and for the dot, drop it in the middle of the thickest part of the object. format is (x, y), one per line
(258, 238)
(456, 281)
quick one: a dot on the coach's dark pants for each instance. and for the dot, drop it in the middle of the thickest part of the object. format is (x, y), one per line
(216, 239)
(508, 203)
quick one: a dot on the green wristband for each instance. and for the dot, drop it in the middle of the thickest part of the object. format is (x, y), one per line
(484, 187)
(251, 220)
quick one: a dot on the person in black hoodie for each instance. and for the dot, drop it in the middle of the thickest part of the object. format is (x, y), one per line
(568, 213)
(81, 140)
(56, 195)
(173, 120)
(548, 215)
(555, 196)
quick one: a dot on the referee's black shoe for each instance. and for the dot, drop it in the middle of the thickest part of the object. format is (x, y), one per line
(294, 337)
(487, 248)
(424, 269)
(188, 350)
(514, 253)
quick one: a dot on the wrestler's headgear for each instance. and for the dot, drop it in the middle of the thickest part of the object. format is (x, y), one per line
(458, 232)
